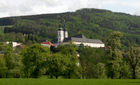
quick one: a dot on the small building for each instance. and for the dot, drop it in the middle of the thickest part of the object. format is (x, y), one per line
(77, 40)
(47, 44)
(15, 44)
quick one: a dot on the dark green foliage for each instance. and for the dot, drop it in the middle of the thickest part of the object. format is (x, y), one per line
(6, 21)
(57, 65)
(36, 60)
(100, 72)
(2, 67)
(89, 59)
(115, 58)
(73, 70)
(133, 56)
(125, 70)
(33, 60)
(13, 63)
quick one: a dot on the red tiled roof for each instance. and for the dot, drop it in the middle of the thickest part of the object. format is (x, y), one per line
(49, 43)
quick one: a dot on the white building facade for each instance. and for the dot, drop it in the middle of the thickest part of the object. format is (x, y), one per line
(60, 35)
(95, 45)
(77, 40)
(14, 44)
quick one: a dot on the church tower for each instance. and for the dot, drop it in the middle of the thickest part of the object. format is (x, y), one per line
(65, 32)
(60, 35)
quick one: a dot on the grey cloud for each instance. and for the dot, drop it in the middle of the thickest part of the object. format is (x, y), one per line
(29, 7)
(137, 12)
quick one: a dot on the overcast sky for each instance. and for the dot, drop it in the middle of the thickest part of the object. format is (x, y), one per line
(31, 7)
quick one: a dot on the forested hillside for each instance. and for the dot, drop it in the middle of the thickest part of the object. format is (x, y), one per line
(93, 23)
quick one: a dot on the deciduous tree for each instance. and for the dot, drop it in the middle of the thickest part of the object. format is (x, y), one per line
(134, 59)
(33, 60)
(115, 56)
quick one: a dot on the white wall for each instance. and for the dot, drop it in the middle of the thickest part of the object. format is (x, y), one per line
(14, 43)
(66, 34)
(60, 36)
(46, 45)
(95, 45)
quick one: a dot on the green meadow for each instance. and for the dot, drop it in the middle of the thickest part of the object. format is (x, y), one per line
(68, 82)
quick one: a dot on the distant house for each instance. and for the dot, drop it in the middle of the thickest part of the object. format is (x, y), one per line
(77, 40)
(47, 44)
(15, 44)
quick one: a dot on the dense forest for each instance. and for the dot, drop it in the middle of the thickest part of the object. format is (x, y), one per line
(93, 23)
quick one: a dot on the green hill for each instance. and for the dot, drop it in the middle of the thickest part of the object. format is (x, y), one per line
(93, 23)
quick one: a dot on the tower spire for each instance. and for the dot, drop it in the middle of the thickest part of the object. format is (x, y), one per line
(65, 32)
(60, 33)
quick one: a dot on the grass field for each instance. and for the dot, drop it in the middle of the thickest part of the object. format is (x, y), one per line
(67, 82)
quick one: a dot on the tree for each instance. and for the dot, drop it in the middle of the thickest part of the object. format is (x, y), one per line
(13, 62)
(125, 70)
(133, 59)
(2, 67)
(100, 71)
(115, 56)
(73, 69)
(20, 37)
(56, 65)
(89, 59)
(33, 60)
(114, 40)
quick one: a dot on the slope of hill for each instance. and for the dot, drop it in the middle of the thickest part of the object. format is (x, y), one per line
(93, 23)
